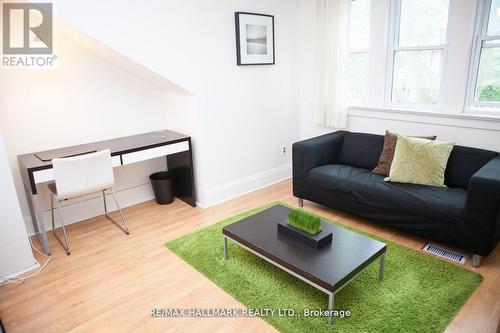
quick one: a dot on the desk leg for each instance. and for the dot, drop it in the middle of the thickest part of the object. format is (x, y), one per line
(182, 164)
(37, 220)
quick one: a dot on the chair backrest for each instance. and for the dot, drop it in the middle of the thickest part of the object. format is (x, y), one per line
(83, 174)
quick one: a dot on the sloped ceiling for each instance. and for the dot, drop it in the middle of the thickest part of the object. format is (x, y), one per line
(68, 31)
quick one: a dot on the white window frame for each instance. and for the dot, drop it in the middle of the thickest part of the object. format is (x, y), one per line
(393, 47)
(480, 35)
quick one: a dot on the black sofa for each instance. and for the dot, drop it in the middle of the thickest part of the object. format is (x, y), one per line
(334, 170)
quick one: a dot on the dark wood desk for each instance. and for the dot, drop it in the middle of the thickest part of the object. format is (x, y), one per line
(37, 167)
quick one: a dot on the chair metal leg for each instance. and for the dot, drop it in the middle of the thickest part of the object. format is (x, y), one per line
(124, 228)
(65, 245)
(52, 210)
(104, 199)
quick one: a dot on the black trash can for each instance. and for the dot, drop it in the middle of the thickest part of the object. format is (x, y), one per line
(163, 186)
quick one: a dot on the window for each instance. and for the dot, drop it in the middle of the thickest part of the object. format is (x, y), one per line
(413, 54)
(358, 49)
(417, 51)
(484, 89)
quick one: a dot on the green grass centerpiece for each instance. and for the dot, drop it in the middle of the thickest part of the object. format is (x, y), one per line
(304, 221)
(306, 228)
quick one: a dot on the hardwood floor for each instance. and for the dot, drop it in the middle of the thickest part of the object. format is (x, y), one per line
(111, 281)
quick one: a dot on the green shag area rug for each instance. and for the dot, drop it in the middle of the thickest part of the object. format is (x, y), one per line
(419, 293)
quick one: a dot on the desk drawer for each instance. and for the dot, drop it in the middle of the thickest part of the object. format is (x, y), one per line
(147, 154)
(48, 174)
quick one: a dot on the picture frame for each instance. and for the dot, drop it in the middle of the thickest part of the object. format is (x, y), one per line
(254, 39)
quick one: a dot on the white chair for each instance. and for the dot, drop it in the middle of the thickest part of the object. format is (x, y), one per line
(82, 175)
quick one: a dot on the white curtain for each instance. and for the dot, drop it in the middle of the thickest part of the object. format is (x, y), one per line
(332, 48)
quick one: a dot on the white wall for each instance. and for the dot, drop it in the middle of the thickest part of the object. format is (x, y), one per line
(449, 123)
(244, 115)
(87, 98)
(15, 251)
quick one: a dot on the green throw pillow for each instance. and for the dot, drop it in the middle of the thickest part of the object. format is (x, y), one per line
(419, 161)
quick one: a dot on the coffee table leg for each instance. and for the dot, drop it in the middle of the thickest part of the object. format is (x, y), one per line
(331, 299)
(382, 264)
(225, 246)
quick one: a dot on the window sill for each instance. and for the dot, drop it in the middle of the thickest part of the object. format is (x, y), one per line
(468, 115)
(464, 120)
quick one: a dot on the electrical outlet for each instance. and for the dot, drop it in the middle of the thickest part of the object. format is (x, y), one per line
(283, 151)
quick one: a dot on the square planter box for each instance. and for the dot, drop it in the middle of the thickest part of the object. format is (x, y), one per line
(318, 240)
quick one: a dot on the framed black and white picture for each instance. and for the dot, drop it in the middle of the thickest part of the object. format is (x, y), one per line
(254, 39)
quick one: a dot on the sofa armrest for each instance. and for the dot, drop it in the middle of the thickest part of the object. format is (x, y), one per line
(311, 153)
(483, 201)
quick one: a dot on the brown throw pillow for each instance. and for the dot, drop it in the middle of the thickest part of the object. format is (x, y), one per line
(385, 160)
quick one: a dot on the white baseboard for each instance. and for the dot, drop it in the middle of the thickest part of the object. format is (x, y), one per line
(10, 276)
(244, 185)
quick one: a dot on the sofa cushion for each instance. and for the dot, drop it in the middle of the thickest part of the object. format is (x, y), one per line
(361, 150)
(387, 155)
(463, 163)
(420, 161)
(439, 204)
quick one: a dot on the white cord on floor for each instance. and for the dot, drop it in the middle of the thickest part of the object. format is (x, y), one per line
(18, 279)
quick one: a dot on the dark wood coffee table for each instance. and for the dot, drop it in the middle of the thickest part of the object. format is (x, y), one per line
(328, 269)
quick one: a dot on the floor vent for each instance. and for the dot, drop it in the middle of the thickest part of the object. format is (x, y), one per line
(450, 255)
